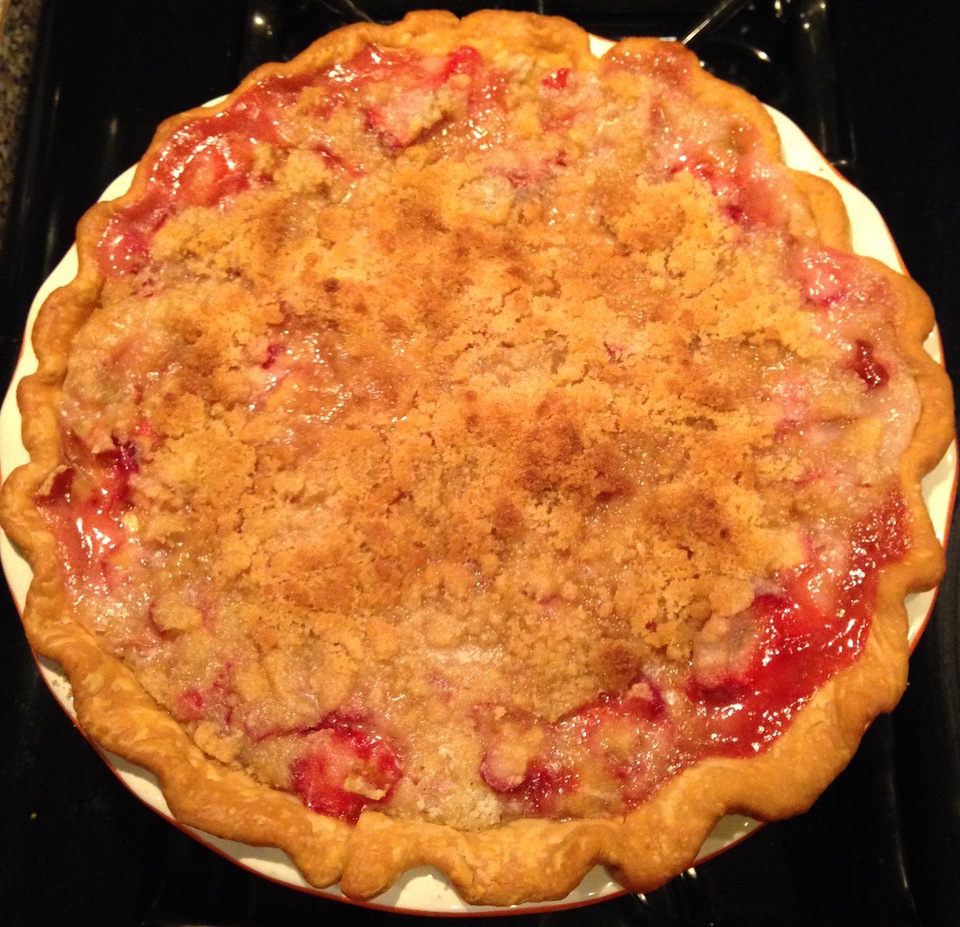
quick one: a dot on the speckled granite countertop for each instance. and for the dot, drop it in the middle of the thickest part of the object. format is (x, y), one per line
(18, 30)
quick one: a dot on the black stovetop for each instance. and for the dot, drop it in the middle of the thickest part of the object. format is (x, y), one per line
(875, 84)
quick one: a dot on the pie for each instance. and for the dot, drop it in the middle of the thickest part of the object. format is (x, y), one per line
(460, 450)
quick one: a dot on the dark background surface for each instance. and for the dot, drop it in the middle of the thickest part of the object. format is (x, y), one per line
(875, 84)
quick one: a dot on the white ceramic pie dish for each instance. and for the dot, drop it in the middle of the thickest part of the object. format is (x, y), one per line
(424, 890)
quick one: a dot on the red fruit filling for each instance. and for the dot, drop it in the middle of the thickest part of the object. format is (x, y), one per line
(557, 80)
(210, 160)
(526, 175)
(215, 702)
(274, 350)
(540, 792)
(463, 60)
(751, 672)
(348, 769)
(736, 171)
(826, 276)
(545, 769)
(816, 626)
(84, 514)
(866, 366)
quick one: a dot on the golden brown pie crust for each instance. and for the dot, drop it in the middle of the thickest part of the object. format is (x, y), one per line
(526, 860)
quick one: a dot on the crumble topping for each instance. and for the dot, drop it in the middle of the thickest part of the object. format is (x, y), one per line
(473, 438)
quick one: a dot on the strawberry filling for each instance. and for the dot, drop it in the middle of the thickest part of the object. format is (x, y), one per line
(540, 792)
(524, 764)
(348, 768)
(550, 769)
(751, 673)
(817, 625)
(464, 60)
(214, 702)
(530, 174)
(209, 161)
(557, 80)
(826, 276)
(374, 64)
(734, 169)
(866, 366)
(85, 515)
